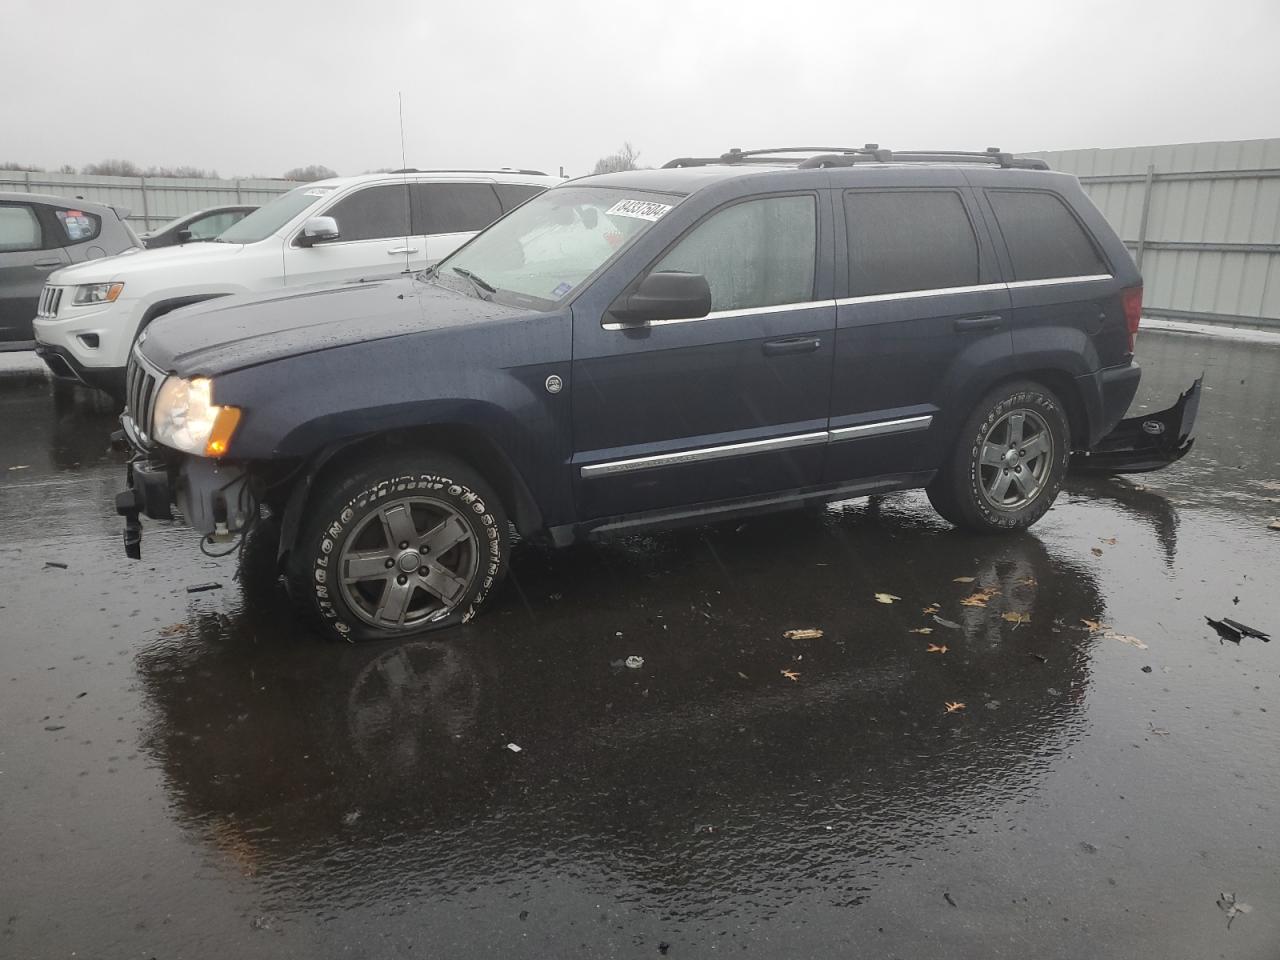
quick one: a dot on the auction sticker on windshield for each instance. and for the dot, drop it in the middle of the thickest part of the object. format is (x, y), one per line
(638, 209)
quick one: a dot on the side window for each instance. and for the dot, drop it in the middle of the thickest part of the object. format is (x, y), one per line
(1043, 237)
(753, 254)
(453, 207)
(514, 194)
(76, 226)
(373, 213)
(206, 228)
(19, 228)
(907, 240)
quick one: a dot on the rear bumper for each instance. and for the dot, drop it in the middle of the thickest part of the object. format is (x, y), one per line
(1142, 444)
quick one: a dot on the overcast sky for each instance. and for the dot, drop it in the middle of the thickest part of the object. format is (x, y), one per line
(258, 87)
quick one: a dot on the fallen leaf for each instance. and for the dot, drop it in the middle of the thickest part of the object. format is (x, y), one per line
(921, 630)
(1125, 638)
(954, 707)
(977, 600)
(1095, 625)
(931, 608)
(949, 624)
(934, 648)
(886, 598)
(1228, 904)
(1110, 541)
(790, 674)
(173, 630)
(743, 675)
(1027, 581)
(807, 633)
(1274, 524)
(1014, 617)
(963, 580)
(1096, 551)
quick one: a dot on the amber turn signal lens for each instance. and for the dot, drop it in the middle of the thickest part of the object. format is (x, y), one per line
(224, 425)
(113, 292)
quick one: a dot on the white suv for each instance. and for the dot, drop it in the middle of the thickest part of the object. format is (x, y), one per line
(333, 230)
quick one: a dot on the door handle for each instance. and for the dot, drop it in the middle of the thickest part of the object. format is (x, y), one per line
(773, 348)
(989, 322)
(46, 264)
(401, 251)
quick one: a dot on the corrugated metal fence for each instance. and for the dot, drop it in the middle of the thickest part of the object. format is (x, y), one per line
(1202, 220)
(151, 200)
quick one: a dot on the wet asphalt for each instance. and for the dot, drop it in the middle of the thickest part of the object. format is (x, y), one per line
(188, 775)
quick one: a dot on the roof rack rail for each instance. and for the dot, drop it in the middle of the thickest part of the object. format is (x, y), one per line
(531, 173)
(868, 153)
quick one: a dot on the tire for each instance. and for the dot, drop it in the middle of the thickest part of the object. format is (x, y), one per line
(337, 572)
(1026, 426)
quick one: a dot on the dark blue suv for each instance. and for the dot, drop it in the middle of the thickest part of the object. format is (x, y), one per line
(722, 336)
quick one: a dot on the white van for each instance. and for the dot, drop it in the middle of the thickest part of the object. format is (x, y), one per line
(333, 230)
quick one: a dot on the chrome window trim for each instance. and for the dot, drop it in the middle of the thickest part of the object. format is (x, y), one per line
(701, 454)
(1050, 281)
(977, 288)
(723, 314)
(882, 427)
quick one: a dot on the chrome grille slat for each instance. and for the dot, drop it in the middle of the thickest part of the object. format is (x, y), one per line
(49, 302)
(142, 384)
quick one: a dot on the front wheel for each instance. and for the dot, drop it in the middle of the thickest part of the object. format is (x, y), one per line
(1009, 462)
(399, 546)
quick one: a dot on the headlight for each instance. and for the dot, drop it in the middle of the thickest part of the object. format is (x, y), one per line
(187, 419)
(97, 293)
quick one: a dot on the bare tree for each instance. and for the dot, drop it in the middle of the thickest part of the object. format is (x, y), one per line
(113, 168)
(627, 158)
(20, 167)
(317, 171)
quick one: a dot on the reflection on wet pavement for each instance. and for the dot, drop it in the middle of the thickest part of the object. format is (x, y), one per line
(187, 773)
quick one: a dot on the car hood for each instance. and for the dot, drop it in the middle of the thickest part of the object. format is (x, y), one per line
(230, 333)
(175, 259)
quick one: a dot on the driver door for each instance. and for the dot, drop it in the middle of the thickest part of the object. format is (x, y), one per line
(373, 240)
(731, 405)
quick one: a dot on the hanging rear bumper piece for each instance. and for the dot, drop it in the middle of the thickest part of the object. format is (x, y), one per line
(1142, 444)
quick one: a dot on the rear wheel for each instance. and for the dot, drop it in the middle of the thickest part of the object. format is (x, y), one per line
(1009, 462)
(398, 546)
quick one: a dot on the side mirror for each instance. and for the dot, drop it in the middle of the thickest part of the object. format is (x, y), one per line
(667, 295)
(318, 230)
(184, 236)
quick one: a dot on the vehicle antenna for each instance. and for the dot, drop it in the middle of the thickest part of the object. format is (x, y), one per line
(404, 168)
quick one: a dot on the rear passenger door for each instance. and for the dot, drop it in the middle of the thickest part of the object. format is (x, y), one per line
(446, 214)
(923, 310)
(1059, 282)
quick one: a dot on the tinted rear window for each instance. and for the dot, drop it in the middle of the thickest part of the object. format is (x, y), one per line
(1044, 239)
(454, 207)
(904, 240)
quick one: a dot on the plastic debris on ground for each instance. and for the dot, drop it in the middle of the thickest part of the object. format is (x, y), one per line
(514, 747)
(202, 587)
(634, 663)
(1235, 631)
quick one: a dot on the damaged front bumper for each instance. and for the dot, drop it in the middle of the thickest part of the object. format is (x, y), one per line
(1142, 444)
(214, 498)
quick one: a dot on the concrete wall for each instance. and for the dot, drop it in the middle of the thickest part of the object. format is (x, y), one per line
(1202, 219)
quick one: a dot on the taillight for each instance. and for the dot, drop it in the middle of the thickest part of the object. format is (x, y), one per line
(1131, 301)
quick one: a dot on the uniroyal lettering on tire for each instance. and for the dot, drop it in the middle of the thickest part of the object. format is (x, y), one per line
(321, 561)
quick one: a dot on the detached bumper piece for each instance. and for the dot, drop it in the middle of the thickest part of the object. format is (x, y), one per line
(147, 492)
(1143, 444)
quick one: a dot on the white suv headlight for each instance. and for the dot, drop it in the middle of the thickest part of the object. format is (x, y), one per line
(186, 418)
(88, 293)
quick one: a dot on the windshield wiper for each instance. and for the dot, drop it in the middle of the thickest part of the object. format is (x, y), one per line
(477, 282)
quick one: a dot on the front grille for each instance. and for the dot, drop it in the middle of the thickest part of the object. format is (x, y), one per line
(50, 300)
(141, 384)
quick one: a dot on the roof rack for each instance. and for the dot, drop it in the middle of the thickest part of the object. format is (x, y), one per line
(531, 173)
(869, 153)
